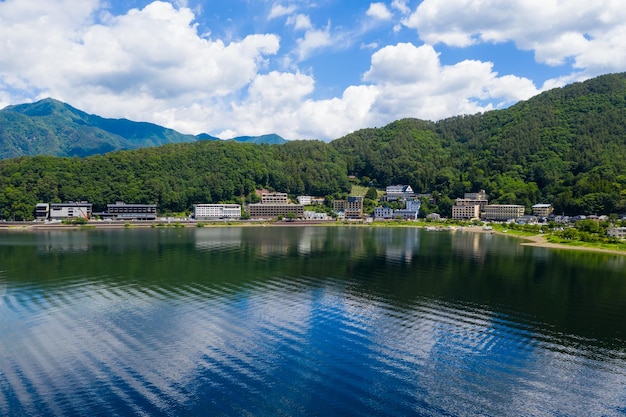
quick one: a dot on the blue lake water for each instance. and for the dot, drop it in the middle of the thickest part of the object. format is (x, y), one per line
(322, 321)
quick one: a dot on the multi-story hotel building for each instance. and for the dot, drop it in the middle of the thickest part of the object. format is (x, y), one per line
(466, 212)
(216, 211)
(542, 210)
(503, 212)
(352, 207)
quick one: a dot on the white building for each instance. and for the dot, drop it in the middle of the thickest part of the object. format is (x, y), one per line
(618, 232)
(383, 213)
(59, 211)
(216, 211)
(396, 192)
(305, 200)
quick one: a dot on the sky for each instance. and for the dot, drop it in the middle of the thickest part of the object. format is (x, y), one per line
(303, 69)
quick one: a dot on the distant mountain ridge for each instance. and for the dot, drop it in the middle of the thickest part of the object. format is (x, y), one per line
(51, 127)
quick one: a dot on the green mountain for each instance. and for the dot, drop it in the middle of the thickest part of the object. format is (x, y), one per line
(566, 146)
(50, 127)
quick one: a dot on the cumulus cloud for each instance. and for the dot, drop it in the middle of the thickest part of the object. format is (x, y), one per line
(379, 11)
(411, 82)
(152, 64)
(589, 33)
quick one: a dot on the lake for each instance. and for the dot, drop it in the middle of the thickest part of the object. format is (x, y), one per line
(319, 321)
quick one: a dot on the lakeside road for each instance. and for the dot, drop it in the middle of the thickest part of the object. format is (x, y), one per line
(538, 240)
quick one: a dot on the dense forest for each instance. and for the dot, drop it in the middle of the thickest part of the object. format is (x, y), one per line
(566, 147)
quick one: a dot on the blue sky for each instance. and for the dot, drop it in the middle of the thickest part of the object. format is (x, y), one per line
(304, 69)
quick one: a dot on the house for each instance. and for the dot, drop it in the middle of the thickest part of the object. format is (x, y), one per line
(216, 211)
(42, 211)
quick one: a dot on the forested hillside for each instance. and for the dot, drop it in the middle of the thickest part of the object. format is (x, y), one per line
(566, 146)
(173, 176)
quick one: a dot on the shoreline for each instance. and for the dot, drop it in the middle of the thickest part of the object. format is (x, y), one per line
(538, 240)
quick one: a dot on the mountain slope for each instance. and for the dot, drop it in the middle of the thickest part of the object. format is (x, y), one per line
(50, 127)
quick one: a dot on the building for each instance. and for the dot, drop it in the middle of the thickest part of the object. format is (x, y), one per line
(42, 211)
(618, 232)
(406, 214)
(542, 210)
(352, 208)
(312, 215)
(60, 211)
(216, 211)
(398, 192)
(274, 198)
(305, 200)
(262, 210)
(383, 213)
(503, 212)
(466, 211)
(123, 211)
(470, 206)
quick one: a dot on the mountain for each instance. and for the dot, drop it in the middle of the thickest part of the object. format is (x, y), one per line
(50, 127)
(566, 147)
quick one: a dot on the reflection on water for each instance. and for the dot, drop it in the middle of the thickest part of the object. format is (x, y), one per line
(307, 321)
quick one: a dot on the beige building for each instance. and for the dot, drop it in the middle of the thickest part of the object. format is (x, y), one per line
(466, 212)
(542, 210)
(352, 207)
(274, 198)
(261, 210)
(503, 212)
(618, 232)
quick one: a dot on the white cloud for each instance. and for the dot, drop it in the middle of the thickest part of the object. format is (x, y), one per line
(412, 83)
(589, 33)
(279, 10)
(313, 39)
(300, 22)
(379, 11)
(401, 6)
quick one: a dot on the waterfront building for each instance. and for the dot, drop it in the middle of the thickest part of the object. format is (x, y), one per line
(264, 210)
(618, 232)
(42, 211)
(466, 211)
(352, 208)
(216, 211)
(124, 211)
(61, 211)
(503, 212)
(383, 213)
